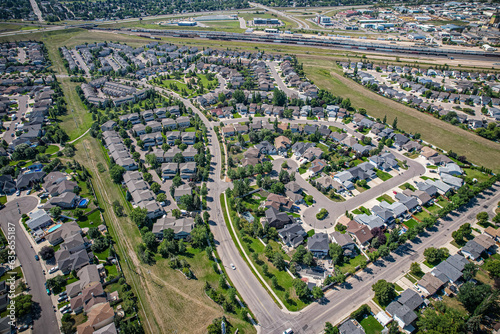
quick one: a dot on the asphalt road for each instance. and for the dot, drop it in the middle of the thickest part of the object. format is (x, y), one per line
(44, 319)
(22, 101)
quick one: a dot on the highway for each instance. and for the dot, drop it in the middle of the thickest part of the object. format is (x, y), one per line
(44, 319)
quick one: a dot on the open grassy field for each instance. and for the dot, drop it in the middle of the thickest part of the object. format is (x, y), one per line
(78, 119)
(326, 74)
(167, 300)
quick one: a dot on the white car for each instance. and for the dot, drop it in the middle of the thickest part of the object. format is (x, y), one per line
(232, 266)
(53, 269)
(288, 331)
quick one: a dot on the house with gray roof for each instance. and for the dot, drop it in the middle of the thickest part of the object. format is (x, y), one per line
(318, 244)
(371, 221)
(292, 235)
(39, 219)
(181, 227)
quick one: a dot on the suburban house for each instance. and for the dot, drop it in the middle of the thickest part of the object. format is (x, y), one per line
(277, 219)
(282, 143)
(292, 235)
(318, 244)
(429, 284)
(278, 202)
(181, 227)
(402, 310)
(474, 248)
(344, 240)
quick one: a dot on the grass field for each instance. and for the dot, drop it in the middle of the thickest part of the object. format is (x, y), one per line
(371, 325)
(350, 266)
(326, 74)
(386, 198)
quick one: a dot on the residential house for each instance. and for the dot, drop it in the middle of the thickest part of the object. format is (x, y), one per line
(181, 227)
(292, 235)
(277, 219)
(318, 244)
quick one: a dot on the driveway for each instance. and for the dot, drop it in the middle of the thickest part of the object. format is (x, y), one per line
(44, 316)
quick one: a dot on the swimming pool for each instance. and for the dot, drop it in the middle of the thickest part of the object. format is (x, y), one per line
(83, 203)
(53, 228)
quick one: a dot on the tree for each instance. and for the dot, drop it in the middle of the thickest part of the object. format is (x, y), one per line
(206, 216)
(176, 213)
(336, 253)
(482, 217)
(116, 173)
(317, 292)
(239, 96)
(308, 259)
(47, 252)
(493, 268)
(177, 181)
(149, 240)
(155, 187)
(330, 329)
(384, 292)
(139, 216)
(161, 197)
(471, 295)
(395, 123)
(451, 321)
(436, 256)
(301, 289)
(55, 212)
(470, 271)
(78, 213)
(279, 97)
(23, 305)
(56, 283)
(415, 269)
(279, 262)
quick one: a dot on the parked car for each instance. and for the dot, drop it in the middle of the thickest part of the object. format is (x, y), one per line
(53, 269)
(61, 299)
(288, 331)
(48, 291)
(18, 192)
(37, 257)
(64, 293)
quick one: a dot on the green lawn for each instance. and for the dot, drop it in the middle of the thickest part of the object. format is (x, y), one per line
(112, 270)
(411, 223)
(407, 185)
(433, 208)
(350, 266)
(78, 119)
(103, 255)
(304, 168)
(371, 325)
(443, 202)
(411, 278)
(422, 214)
(383, 175)
(3, 199)
(92, 220)
(386, 198)
(52, 149)
(476, 174)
